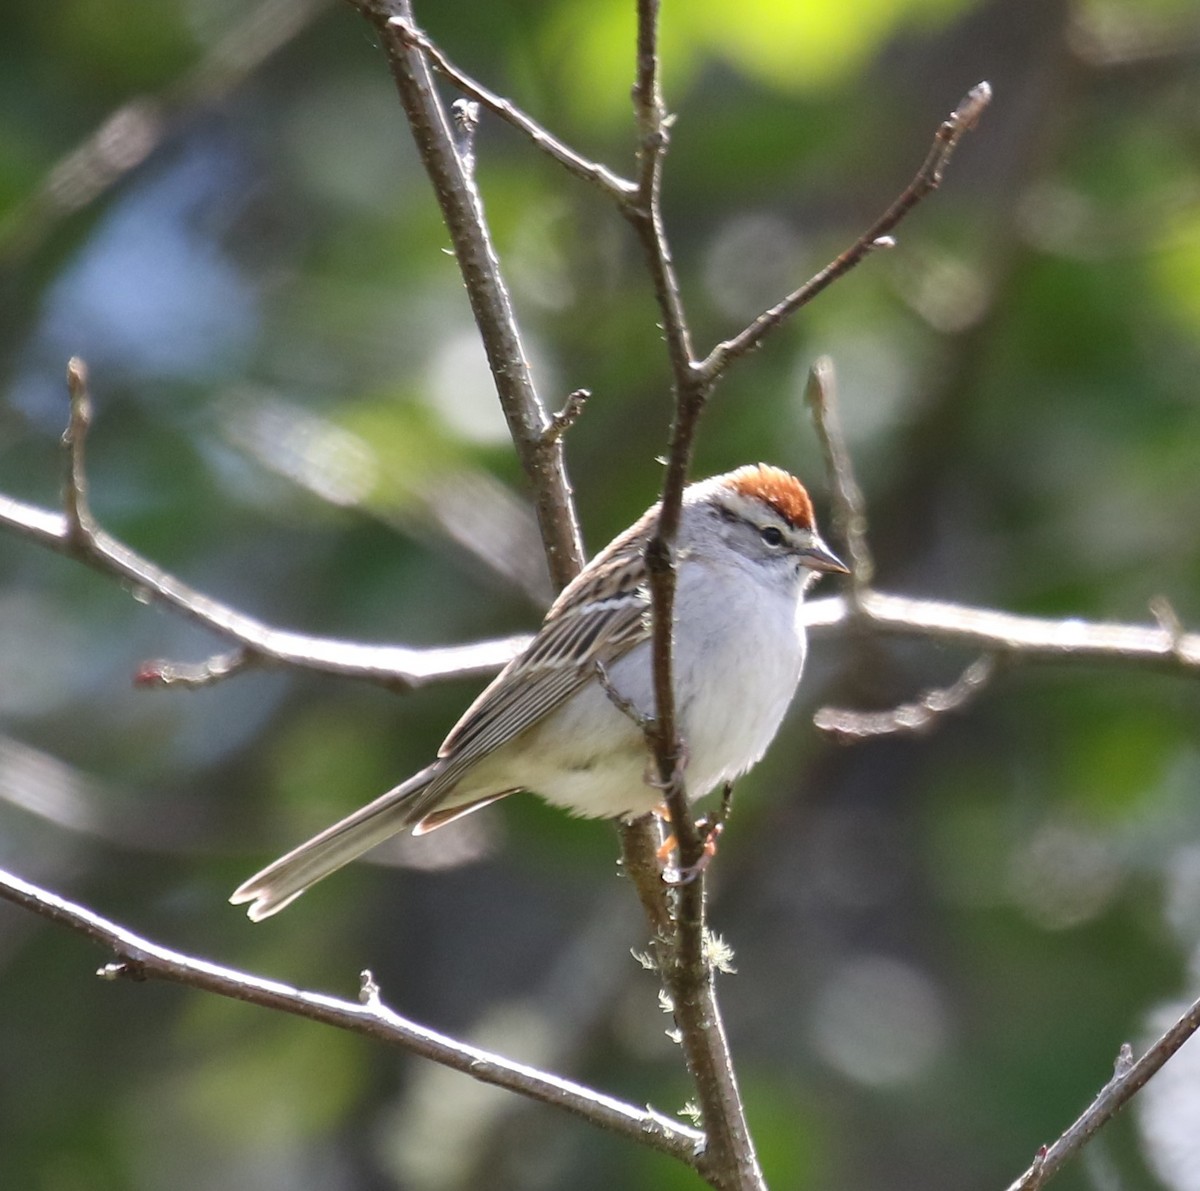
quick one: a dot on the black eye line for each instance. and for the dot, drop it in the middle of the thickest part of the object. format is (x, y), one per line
(771, 534)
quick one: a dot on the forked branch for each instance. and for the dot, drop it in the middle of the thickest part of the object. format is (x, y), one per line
(462, 210)
(591, 172)
(76, 534)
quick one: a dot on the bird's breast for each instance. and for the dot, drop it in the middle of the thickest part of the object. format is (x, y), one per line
(738, 655)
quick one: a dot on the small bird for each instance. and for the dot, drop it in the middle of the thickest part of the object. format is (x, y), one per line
(747, 550)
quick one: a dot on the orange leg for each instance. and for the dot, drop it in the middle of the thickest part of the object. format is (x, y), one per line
(712, 826)
(662, 813)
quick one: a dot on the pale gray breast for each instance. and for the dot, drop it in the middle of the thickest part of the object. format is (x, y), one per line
(739, 653)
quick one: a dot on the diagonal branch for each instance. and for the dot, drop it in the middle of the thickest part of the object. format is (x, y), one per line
(928, 178)
(1129, 1077)
(140, 959)
(399, 666)
(591, 172)
(76, 534)
(462, 210)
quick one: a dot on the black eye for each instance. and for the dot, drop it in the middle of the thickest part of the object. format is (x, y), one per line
(772, 535)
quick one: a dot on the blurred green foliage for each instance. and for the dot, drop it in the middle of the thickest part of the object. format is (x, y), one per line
(941, 942)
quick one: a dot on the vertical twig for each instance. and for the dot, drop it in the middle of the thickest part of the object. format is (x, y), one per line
(849, 507)
(729, 1161)
(645, 215)
(81, 527)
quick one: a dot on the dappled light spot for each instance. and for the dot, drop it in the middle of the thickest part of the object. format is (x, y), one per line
(879, 1021)
(1064, 875)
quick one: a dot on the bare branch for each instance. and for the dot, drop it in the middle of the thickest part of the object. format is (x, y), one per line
(398, 666)
(644, 209)
(908, 718)
(1010, 635)
(141, 959)
(928, 178)
(645, 215)
(590, 171)
(1169, 649)
(849, 507)
(566, 417)
(159, 672)
(729, 1159)
(462, 210)
(649, 109)
(1129, 1077)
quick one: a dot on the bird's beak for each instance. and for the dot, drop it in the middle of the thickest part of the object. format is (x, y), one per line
(818, 557)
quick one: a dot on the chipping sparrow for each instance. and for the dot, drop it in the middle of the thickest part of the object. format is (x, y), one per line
(747, 550)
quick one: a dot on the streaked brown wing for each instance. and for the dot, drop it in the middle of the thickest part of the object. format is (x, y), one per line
(522, 696)
(602, 615)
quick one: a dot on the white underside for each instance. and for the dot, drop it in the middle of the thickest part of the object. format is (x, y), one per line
(739, 661)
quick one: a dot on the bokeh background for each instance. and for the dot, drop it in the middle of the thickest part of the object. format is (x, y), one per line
(940, 941)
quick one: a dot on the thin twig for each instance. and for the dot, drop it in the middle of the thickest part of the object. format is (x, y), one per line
(645, 216)
(928, 178)
(644, 209)
(462, 211)
(140, 959)
(592, 172)
(566, 417)
(81, 528)
(194, 674)
(1129, 1077)
(849, 506)
(404, 667)
(909, 718)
